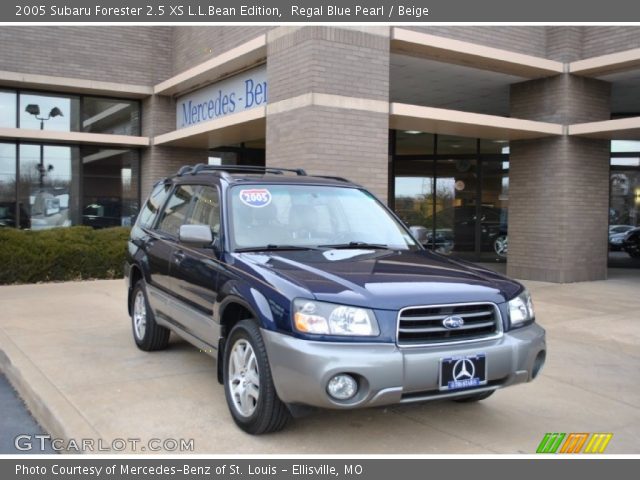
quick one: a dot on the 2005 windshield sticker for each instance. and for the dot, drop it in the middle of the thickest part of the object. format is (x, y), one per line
(256, 197)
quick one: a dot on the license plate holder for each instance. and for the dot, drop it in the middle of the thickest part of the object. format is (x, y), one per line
(463, 372)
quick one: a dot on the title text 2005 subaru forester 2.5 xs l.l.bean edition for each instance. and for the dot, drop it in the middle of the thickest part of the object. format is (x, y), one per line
(310, 292)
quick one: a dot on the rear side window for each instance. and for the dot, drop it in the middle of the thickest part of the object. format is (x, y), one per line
(150, 210)
(206, 209)
(177, 208)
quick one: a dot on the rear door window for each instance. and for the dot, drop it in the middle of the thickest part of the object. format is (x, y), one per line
(206, 209)
(149, 212)
(176, 210)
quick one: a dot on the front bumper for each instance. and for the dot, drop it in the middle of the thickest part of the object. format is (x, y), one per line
(388, 374)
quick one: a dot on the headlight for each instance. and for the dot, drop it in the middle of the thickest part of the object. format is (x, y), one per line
(321, 318)
(521, 310)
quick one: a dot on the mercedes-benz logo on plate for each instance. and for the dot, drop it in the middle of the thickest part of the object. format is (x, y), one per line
(463, 370)
(452, 322)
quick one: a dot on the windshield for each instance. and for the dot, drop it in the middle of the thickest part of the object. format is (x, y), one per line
(311, 216)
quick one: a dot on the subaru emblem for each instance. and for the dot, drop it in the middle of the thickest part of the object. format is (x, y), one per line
(453, 322)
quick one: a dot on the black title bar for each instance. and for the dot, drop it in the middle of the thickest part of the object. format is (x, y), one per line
(308, 11)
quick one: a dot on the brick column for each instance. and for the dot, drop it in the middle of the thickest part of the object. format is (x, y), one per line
(159, 116)
(559, 186)
(343, 130)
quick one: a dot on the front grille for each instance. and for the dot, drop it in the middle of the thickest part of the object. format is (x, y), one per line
(423, 325)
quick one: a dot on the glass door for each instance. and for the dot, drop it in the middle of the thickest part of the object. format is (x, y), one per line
(624, 209)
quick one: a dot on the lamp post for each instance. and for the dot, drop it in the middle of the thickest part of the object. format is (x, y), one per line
(34, 110)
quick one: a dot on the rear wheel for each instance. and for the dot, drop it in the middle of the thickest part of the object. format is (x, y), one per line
(147, 334)
(476, 397)
(248, 385)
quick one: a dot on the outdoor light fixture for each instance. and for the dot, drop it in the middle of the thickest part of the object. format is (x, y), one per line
(33, 109)
(55, 112)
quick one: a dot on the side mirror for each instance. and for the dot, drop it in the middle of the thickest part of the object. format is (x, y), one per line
(197, 235)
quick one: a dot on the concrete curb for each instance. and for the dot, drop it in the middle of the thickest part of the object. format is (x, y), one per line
(51, 409)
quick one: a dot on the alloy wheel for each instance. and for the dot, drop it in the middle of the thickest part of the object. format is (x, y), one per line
(244, 378)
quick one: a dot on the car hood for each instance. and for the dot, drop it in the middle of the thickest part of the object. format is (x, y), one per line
(378, 279)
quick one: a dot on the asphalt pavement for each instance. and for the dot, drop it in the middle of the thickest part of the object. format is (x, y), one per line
(16, 421)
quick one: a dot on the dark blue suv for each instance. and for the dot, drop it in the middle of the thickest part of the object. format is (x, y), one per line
(310, 292)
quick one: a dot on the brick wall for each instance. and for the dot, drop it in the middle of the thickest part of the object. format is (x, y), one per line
(564, 43)
(563, 99)
(346, 62)
(158, 117)
(600, 40)
(158, 162)
(559, 186)
(194, 45)
(330, 140)
(125, 54)
(530, 40)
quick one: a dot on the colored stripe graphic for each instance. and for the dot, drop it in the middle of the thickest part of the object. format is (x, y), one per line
(598, 442)
(574, 442)
(550, 443)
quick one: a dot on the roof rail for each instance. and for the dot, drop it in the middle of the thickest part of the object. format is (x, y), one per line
(201, 167)
(331, 177)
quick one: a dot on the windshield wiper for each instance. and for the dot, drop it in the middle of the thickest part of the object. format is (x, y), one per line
(380, 246)
(272, 246)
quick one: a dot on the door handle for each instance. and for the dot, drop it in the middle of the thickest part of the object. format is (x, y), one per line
(178, 256)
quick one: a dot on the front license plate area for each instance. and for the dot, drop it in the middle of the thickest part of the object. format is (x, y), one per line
(462, 372)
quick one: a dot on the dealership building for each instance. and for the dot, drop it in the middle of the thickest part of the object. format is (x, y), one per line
(500, 143)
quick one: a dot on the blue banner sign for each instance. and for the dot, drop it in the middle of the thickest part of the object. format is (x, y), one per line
(235, 94)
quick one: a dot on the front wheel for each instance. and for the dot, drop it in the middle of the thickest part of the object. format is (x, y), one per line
(248, 385)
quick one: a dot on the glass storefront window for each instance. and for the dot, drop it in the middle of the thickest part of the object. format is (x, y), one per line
(64, 185)
(624, 204)
(111, 116)
(110, 186)
(413, 142)
(8, 186)
(622, 146)
(8, 102)
(47, 191)
(494, 146)
(414, 184)
(450, 145)
(494, 195)
(456, 200)
(60, 113)
(247, 153)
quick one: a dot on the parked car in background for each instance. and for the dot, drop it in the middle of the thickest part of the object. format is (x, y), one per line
(310, 292)
(617, 234)
(442, 242)
(461, 236)
(8, 215)
(102, 213)
(631, 242)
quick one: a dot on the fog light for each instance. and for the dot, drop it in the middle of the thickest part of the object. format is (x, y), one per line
(342, 387)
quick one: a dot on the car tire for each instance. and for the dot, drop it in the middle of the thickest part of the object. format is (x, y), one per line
(248, 385)
(476, 397)
(501, 245)
(147, 334)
